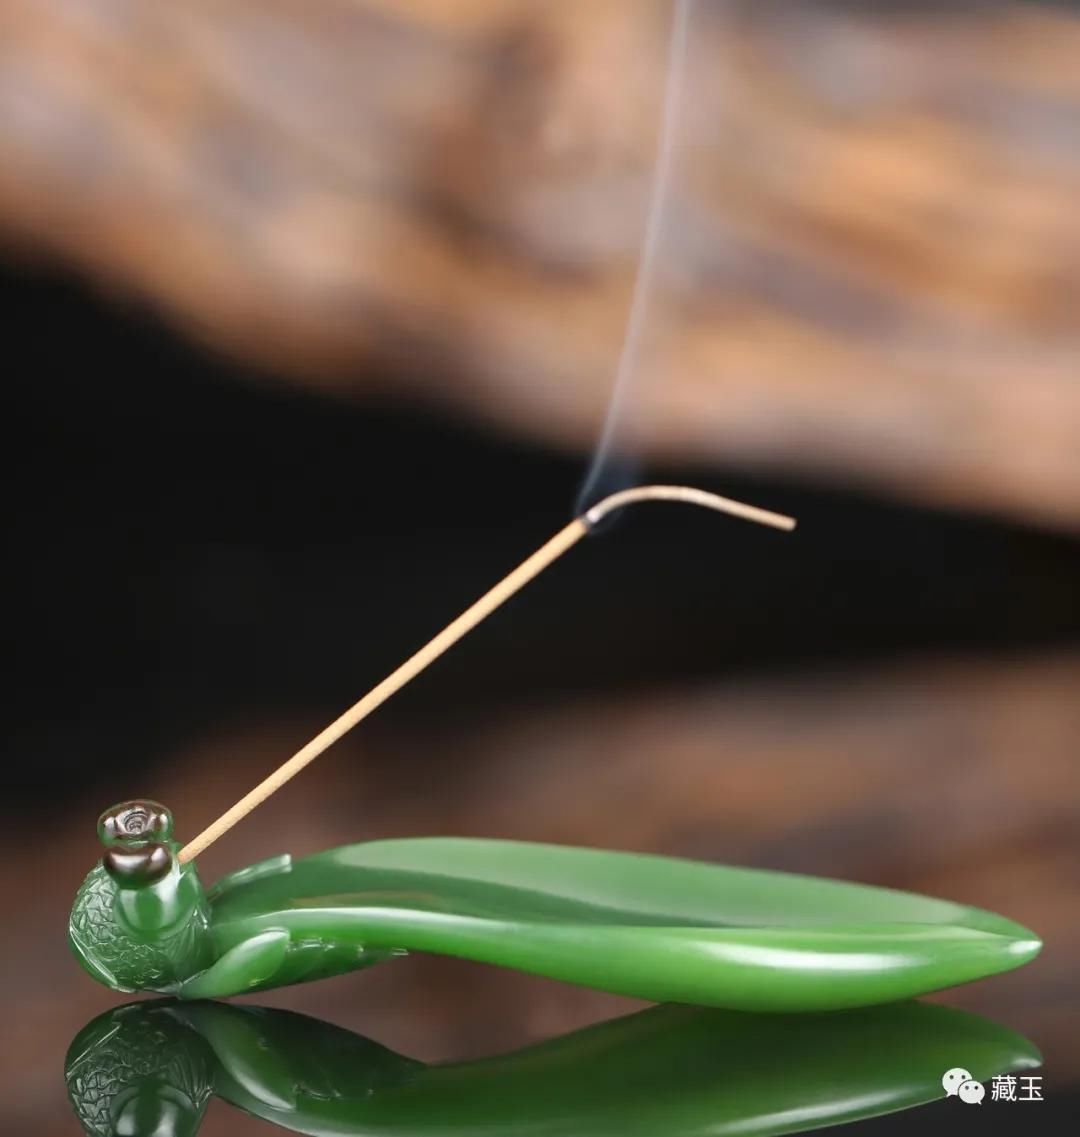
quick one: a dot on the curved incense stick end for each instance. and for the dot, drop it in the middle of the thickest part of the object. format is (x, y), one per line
(690, 496)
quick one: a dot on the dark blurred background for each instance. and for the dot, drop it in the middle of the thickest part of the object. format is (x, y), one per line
(310, 322)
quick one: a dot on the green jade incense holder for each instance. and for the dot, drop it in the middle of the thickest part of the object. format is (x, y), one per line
(651, 927)
(151, 1069)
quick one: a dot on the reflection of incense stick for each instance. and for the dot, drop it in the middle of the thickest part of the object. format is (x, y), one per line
(543, 557)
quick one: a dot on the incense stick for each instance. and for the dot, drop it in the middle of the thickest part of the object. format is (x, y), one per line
(531, 567)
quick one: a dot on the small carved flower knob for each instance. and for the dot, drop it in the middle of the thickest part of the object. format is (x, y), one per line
(134, 823)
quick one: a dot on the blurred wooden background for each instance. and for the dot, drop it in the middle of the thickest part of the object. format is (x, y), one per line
(873, 248)
(870, 290)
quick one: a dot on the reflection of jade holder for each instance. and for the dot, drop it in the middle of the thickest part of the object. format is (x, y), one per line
(657, 928)
(151, 1068)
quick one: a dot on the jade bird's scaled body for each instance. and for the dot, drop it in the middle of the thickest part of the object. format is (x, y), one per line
(655, 928)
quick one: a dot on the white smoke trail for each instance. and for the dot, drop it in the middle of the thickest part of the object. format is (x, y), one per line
(599, 479)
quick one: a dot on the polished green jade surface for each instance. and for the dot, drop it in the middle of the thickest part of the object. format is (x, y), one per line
(150, 1070)
(656, 928)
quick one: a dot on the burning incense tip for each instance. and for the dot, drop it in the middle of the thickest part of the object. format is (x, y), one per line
(531, 567)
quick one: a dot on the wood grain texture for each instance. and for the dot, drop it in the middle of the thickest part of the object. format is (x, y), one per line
(873, 251)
